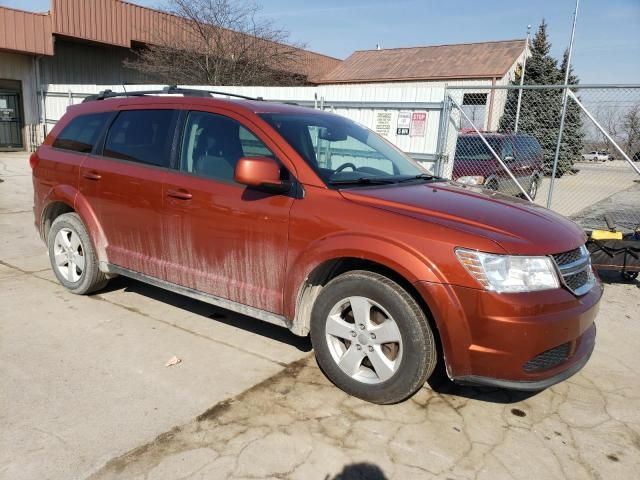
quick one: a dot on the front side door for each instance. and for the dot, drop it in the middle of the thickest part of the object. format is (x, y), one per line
(220, 237)
(123, 183)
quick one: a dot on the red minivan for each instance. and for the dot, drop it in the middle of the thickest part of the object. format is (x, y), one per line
(475, 163)
(308, 220)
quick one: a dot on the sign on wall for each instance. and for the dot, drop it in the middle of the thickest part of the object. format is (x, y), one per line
(383, 123)
(418, 124)
(404, 123)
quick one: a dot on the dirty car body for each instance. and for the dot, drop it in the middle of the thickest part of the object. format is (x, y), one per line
(304, 219)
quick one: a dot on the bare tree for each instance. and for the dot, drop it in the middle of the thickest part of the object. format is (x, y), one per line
(630, 130)
(220, 42)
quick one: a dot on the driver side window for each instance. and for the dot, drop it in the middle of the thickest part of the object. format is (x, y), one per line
(507, 149)
(212, 145)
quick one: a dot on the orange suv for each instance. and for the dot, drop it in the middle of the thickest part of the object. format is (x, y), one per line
(308, 220)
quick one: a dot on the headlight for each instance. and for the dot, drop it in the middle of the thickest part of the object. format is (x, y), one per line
(471, 180)
(509, 273)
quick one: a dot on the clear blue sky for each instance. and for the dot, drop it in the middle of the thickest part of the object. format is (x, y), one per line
(607, 48)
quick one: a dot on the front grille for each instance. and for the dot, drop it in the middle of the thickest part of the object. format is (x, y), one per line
(568, 257)
(548, 359)
(575, 268)
(574, 282)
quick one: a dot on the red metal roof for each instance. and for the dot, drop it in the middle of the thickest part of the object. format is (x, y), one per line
(112, 22)
(460, 61)
(22, 31)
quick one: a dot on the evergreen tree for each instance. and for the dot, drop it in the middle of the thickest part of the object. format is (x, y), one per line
(540, 109)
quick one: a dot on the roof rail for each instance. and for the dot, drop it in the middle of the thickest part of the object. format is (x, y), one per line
(169, 90)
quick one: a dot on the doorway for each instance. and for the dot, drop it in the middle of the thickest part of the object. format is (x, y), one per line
(11, 115)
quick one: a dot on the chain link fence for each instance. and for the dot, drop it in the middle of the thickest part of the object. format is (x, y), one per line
(507, 139)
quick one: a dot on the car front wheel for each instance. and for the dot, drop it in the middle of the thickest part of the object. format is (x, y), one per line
(371, 338)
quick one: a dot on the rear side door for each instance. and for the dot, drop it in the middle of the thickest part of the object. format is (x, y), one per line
(529, 156)
(123, 183)
(515, 165)
(223, 238)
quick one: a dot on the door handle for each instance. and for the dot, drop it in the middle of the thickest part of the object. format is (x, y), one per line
(92, 175)
(179, 194)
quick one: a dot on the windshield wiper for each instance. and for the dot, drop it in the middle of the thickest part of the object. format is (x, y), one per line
(420, 176)
(362, 181)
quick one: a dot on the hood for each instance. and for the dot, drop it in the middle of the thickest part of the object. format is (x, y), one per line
(518, 226)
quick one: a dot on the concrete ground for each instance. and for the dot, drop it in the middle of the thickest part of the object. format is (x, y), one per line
(594, 182)
(85, 393)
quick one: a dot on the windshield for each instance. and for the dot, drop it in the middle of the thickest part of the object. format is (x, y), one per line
(473, 148)
(343, 152)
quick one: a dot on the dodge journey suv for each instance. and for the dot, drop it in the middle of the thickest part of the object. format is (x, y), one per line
(310, 221)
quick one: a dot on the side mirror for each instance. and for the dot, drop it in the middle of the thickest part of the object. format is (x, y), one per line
(262, 173)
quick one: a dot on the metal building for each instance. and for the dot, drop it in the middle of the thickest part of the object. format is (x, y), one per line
(82, 42)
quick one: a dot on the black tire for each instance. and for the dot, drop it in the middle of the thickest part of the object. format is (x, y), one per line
(533, 188)
(629, 276)
(419, 353)
(91, 278)
(492, 185)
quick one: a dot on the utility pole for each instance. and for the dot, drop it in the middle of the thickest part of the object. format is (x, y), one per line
(565, 98)
(524, 67)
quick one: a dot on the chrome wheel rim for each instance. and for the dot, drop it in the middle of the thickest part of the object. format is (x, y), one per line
(533, 189)
(68, 255)
(364, 340)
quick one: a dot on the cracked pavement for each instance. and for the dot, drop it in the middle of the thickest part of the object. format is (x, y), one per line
(84, 392)
(296, 425)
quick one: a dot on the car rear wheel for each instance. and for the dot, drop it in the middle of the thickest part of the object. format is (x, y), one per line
(72, 255)
(371, 338)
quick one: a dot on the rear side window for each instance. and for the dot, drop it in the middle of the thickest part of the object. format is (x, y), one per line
(142, 136)
(82, 133)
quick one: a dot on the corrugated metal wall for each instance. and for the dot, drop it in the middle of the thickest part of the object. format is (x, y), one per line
(89, 64)
(22, 68)
(25, 32)
(109, 21)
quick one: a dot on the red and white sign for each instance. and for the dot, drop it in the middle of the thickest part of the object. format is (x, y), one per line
(418, 124)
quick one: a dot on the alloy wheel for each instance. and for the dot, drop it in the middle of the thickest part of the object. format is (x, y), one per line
(69, 255)
(364, 340)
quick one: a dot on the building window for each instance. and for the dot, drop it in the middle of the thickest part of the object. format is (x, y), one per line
(475, 106)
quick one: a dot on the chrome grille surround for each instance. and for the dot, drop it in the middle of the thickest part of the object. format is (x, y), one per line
(574, 268)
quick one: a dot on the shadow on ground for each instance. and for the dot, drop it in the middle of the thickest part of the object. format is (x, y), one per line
(212, 312)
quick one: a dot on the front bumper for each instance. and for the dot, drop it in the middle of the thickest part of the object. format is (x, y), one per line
(498, 339)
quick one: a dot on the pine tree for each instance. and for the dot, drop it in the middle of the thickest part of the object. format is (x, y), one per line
(540, 109)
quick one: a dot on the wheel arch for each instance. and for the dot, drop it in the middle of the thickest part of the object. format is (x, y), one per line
(63, 200)
(323, 270)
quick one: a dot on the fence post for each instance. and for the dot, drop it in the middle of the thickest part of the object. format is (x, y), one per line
(565, 98)
(442, 134)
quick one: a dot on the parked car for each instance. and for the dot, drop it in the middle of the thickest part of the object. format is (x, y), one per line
(475, 164)
(310, 221)
(595, 156)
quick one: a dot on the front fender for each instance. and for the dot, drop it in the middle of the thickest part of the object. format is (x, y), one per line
(401, 258)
